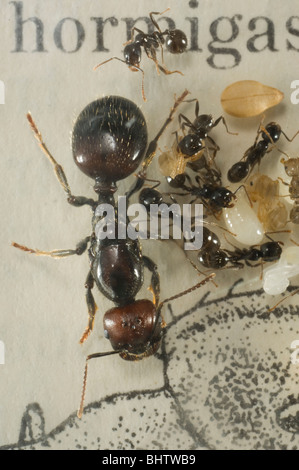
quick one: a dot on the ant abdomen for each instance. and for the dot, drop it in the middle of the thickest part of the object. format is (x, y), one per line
(149, 196)
(213, 259)
(238, 172)
(176, 41)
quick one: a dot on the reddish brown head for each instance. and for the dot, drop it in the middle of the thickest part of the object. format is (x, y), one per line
(132, 329)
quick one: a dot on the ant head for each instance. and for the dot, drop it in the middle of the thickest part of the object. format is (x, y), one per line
(132, 55)
(223, 197)
(176, 182)
(271, 133)
(148, 196)
(203, 123)
(191, 144)
(291, 166)
(271, 251)
(176, 41)
(134, 329)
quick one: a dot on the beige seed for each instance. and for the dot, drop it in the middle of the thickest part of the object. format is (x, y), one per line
(248, 98)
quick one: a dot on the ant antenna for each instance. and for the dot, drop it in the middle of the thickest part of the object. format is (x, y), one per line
(181, 294)
(134, 68)
(92, 356)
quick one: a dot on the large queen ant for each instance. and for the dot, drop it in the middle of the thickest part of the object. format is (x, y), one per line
(109, 142)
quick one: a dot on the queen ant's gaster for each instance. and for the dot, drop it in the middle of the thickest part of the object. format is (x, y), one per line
(109, 142)
(174, 40)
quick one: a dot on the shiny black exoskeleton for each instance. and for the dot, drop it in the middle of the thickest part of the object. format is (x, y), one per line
(217, 258)
(213, 196)
(174, 40)
(253, 156)
(198, 138)
(109, 142)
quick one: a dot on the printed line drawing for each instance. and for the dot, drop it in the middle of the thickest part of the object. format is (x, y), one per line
(228, 384)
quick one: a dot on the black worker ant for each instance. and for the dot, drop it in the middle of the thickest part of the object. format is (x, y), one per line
(212, 256)
(270, 134)
(174, 40)
(196, 150)
(109, 141)
(198, 136)
(213, 196)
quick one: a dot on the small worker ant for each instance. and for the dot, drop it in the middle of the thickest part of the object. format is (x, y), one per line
(213, 257)
(109, 141)
(270, 134)
(197, 137)
(174, 40)
(213, 196)
(193, 149)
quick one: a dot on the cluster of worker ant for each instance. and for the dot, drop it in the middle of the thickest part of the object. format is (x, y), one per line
(109, 143)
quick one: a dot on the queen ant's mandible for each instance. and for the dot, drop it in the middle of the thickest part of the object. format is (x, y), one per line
(174, 40)
(109, 141)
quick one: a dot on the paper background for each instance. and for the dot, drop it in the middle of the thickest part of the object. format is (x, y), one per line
(43, 311)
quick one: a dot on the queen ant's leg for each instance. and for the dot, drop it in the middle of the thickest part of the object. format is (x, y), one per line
(80, 249)
(155, 280)
(91, 305)
(152, 147)
(59, 172)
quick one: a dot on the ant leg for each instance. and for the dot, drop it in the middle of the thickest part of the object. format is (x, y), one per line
(151, 54)
(91, 305)
(155, 280)
(283, 299)
(152, 147)
(290, 140)
(154, 21)
(59, 172)
(151, 150)
(186, 123)
(134, 68)
(132, 35)
(221, 118)
(242, 186)
(92, 356)
(169, 72)
(80, 248)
